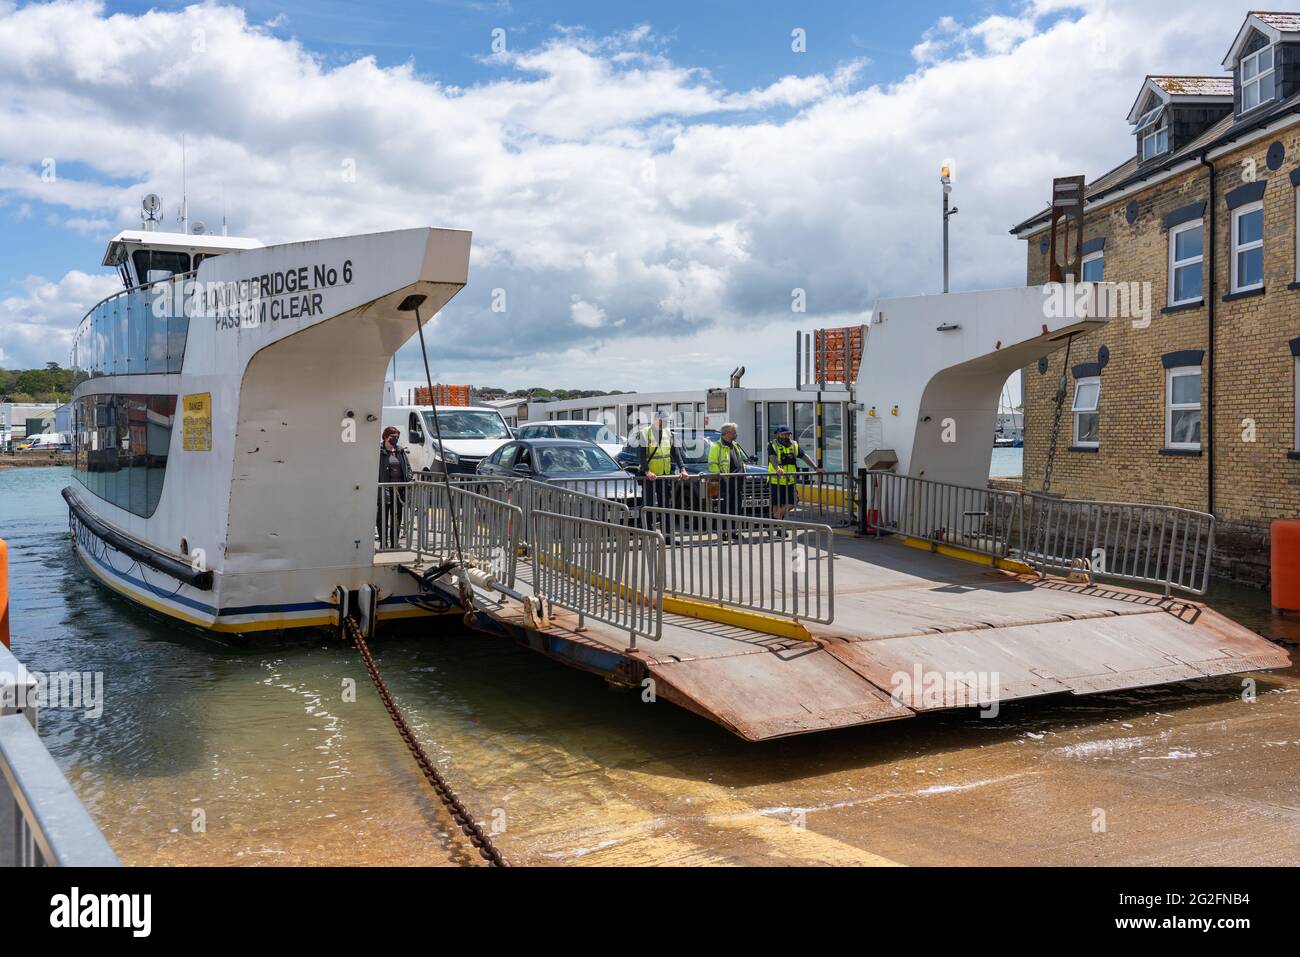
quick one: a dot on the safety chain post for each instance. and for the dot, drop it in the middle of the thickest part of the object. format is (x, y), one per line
(464, 820)
(1061, 390)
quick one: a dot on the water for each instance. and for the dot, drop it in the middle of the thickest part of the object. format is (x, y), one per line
(1007, 463)
(261, 745)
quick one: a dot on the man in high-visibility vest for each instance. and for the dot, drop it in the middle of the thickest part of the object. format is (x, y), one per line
(727, 461)
(657, 453)
(783, 455)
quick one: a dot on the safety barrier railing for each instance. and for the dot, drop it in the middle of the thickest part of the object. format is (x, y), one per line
(782, 568)
(42, 821)
(533, 496)
(986, 521)
(1149, 544)
(1155, 545)
(608, 573)
(418, 517)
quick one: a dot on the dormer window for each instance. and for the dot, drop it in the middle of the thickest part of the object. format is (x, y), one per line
(1256, 78)
(1156, 139)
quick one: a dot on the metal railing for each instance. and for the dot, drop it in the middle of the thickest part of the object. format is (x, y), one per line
(1156, 545)
(417, 517)
(608, 573)
(986, 521)
(42, 821)
(781, 568)
(533, 496)
(1150, 544)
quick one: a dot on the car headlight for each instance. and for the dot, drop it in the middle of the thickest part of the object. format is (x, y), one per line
(445, 455)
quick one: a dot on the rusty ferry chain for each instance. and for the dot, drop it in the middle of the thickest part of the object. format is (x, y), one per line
(464, 820)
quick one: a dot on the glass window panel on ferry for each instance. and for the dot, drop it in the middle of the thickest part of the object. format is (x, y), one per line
(133, 333)
(120, 445)
(832, 458)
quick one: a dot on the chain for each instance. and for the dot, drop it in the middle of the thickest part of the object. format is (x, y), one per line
(464, 820)
(1056, 420)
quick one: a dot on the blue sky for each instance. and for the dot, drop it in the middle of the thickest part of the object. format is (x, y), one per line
(637, 177)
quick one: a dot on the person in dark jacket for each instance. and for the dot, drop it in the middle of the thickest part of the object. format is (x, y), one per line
(394, 466)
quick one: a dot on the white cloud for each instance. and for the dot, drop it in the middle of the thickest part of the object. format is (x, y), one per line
(36, 325)
(595, 170)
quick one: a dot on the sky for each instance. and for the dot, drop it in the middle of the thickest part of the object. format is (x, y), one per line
(654, 187)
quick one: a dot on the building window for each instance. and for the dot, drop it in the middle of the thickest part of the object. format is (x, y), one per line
(1186, 254)
(1297, 233)
(1248, 247)
(1295, 366)
(1183, 408)
(1093, 265)
(1156, 141)
(1256, 79)
(1086, 430)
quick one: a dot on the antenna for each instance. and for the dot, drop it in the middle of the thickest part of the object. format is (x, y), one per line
(184, 217)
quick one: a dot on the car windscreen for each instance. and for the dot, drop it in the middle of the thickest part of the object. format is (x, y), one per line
(553, 458)
(467, 424)
(587, 433)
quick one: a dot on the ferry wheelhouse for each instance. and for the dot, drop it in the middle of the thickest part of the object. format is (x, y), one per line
(226, 417)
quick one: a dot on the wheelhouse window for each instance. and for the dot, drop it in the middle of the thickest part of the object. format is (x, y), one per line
(152, 265)
(1248, 247)
(1093, 265)
(1186, 258)
(1183, 408)
(1256, 79)
(1086, 420)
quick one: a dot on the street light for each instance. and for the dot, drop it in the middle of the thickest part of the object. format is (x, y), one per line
(945, 177)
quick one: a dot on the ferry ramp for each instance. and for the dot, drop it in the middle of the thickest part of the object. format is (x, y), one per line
(721, 628)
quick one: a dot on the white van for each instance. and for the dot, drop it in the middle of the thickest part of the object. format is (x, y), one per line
(51, 441)
(469, 434)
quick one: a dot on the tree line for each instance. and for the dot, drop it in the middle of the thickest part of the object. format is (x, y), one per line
(51, 384)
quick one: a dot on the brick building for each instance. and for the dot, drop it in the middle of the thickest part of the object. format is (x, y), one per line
(1195, 405)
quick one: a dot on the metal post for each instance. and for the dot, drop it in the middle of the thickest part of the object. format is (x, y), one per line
(945, 238)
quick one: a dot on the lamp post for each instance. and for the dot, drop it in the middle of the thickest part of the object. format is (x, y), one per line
(945, 177)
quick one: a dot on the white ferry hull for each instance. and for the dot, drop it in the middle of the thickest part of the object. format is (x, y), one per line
(274, 491)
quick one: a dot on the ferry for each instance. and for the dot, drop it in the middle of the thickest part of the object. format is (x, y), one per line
(226, 421)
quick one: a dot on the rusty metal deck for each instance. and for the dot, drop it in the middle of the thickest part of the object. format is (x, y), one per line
(903, 613)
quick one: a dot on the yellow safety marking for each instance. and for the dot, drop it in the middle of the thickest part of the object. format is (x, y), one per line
(966, 555)
(754, 621)
(822, 495)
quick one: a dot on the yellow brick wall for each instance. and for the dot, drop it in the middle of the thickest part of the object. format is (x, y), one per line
(1255, 481)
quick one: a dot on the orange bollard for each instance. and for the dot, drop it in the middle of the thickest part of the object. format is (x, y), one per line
(4, 593)
(1284, 564)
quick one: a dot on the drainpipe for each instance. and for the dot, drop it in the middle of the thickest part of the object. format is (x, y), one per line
(1209, 350)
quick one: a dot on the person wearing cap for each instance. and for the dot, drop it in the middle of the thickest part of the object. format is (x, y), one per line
(783, 455)
(657, 452)
(394, 466)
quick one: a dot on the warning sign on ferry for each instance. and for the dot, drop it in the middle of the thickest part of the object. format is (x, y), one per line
(196, 422)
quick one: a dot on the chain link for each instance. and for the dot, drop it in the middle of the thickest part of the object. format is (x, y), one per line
(464, 820)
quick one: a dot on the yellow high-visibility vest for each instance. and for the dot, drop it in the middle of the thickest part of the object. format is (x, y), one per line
(720, 457)
(782, 462)
(659, 452)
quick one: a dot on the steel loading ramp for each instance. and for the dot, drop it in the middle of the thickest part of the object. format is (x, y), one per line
(899, 610)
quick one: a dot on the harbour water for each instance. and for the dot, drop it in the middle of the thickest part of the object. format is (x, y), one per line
(214, 753)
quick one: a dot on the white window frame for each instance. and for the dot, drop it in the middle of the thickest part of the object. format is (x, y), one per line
(1297, 233)
(1076, 410)
(1093, 257)
(1255, 207)
(1160, 134)
(1258, 77)
(1171, 407)
(1189, 261)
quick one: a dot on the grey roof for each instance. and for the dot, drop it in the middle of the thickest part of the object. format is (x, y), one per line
(1286, 22)
(1131, 171)
(1194, 85)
